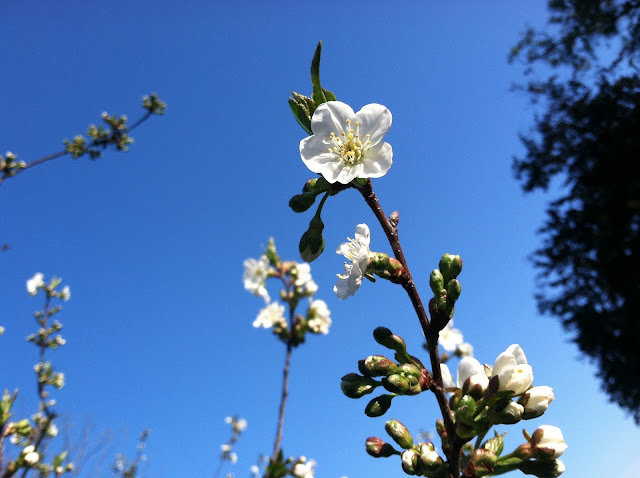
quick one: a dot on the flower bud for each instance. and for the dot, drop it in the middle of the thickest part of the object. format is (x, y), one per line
(377, 448)
(431, 461)
(411, 462)
(302, 202)
(482, 463)
(397, 383)
(316, 185)
(453, 290)
(399, 433)
(379, 366)
(543, 468)
(436, 281)
(355, 386)
(508, 414)
(548, 442)
(312, 243)
(386, 338)
(536, 401)
(378, 406)
(450, 266)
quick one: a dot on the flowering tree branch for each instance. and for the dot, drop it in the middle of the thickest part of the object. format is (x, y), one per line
(115, 134)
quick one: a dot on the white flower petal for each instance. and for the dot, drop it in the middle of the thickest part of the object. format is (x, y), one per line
(376, 120)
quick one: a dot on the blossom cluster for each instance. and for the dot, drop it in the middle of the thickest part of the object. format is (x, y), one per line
(298, 285)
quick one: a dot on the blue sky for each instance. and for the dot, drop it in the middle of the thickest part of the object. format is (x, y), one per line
(152, 241)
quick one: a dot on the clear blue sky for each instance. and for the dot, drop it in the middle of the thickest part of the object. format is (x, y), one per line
(152, 241)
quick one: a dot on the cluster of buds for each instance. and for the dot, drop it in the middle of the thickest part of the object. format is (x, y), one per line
(298, 285)
(419, 459)
(404, 376)
(9, 165)
(446, 290)
(153, 104)
(114, 132)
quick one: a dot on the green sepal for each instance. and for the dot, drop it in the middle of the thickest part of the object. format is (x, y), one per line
(495, 444)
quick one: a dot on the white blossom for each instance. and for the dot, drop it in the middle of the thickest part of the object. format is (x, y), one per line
(468, 368)
(256, 272)
(30, 456)
(450, 338)
(52, 430)
(36, 282)
(241, 425)
(465, 349)
(357, 251)
(347, 145)
(303, 280)
(536, 401)
(551, 444)
(513, 371)
(65, 294)
(225, 448)
(271, 315)
(319, 320)
(233, 457)
(304, 468)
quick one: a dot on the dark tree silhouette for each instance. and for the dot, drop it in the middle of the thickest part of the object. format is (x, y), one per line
(589, 138)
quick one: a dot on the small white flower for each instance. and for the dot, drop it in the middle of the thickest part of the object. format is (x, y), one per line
(470, 368)
(233, 458)
(357, 251)
(271, 315)
(52, 430)
(30, 456)
(513, 371)
(65, 294)
(549, 442)
(465, 349)
(225, 448)
(58, 380)
(303, 280)
(256, 273)
(228, 420)
(241, 425)
(536, 401)
(255, 470)
(36, 282)
(1, 330)
(319, 320)
(304, 469)
(347, 145)
(15, 439)
(450, 338)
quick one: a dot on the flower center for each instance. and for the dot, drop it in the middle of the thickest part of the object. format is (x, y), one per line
(349, 146)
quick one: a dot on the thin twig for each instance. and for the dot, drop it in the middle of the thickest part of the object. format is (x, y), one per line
(65, 152)
(431, 335)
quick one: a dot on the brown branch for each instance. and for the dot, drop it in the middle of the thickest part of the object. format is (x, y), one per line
(390, 227)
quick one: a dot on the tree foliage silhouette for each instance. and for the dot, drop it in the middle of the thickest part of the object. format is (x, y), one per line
(589, 139)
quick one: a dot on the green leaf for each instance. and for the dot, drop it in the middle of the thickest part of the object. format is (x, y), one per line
(319, 96)
(301, 116)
